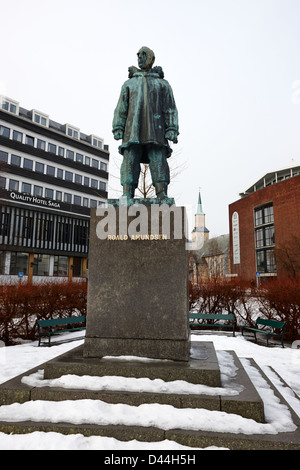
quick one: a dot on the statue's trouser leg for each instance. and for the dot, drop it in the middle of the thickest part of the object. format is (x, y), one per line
(159, 168)
(130, 169)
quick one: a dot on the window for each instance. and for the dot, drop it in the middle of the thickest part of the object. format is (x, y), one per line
(40, 118)
(19, 263)
(15, 160)
(93, 203)
(52, 148)
(41, 144)
(264, 215)
(38, 191)
(29, 140)
(49, 193)
(60, 173)
(61, 151)
(41, 265)
(103, 166)
(95, 163)
(72, 132)
(77, 200)
(68, 198)
(103, 185)
(39, 167)
(61, 266)
(3, 156)
(28, 164)
(18, 136)
(9, 105)
(4, 131)
(68, 176)
(70, 155)
(87, 161)
(94, 183)
(2, 182)
(78, 179)
(265, 239)
(86, 181)
(96, 141)
(79, 157)
(58, 195)
(26, 188)
(50, 170)
(13, 185)
(85, 202)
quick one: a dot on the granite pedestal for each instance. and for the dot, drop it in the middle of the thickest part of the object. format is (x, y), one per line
(137, 286)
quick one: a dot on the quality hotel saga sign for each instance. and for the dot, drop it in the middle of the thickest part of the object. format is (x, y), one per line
(34, 200)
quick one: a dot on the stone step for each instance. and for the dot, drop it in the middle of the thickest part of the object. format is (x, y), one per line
(247, 404)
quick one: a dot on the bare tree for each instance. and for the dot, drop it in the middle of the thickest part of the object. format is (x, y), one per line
(145, 188)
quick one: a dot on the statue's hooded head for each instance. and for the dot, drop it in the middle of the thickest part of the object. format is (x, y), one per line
(146, 58)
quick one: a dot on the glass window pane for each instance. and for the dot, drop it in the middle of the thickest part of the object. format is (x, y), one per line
(49, 193)
(68, 176)
(19, 263)
(50, 170)
(3, 156)
(2, 182)
(29, 140)
(61, 151)
(41, 265)
(15, 160)
(41, 144)
(77, 200)
(60, 173)
(13, 185)
(39, 167)
(38, 191)
(4, 131)
(26, 188)
(70, 154)
(28, 164)
(52, 148)
(61, 266)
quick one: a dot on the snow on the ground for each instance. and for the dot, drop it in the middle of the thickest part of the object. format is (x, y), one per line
(15, 360)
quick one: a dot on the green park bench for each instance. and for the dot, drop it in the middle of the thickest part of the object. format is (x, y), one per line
(213, 320)
(270, 328)
(48, 328)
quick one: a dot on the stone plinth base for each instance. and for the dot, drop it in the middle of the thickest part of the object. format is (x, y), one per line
(137, 287)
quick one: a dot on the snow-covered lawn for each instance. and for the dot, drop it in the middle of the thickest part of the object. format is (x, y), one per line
(15, 360)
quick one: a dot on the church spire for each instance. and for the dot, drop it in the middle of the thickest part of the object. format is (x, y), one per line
(199, 205)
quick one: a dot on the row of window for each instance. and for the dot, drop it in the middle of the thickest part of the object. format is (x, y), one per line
(52, 148)
(32, 229)
(48, 193)
(42, 119)
(43, 265)
(51, 170)
(265, 239)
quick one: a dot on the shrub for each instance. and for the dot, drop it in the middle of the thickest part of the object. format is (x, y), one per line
(22, 305)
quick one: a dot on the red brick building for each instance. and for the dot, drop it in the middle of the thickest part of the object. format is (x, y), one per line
(265, 227)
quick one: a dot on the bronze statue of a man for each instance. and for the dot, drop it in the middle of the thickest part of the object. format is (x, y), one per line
(145, 118)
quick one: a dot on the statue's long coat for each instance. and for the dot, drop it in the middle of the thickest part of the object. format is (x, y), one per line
(146, 110)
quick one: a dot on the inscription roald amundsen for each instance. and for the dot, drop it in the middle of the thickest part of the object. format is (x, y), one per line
(132, 223)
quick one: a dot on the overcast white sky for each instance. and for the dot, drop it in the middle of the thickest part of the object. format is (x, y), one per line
(234, 66)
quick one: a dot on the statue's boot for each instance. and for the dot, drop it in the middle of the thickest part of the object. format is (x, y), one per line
(161, 190)
(128, 191)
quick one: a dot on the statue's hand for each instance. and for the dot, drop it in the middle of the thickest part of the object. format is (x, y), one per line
(118, 135)
(171, 135)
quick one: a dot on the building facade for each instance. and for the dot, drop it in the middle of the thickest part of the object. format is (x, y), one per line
(51, 174)
(265, 226)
